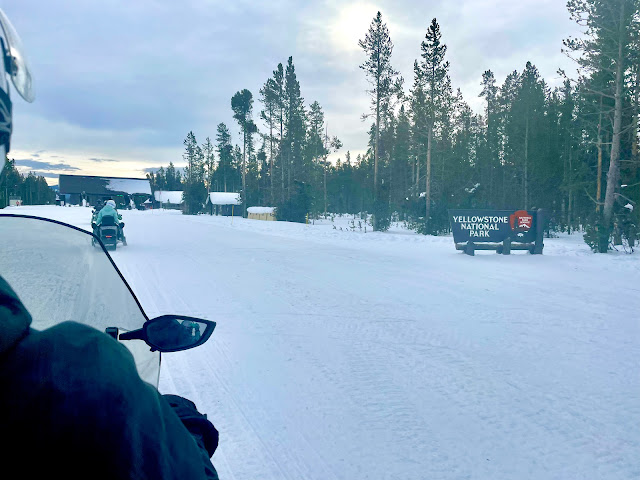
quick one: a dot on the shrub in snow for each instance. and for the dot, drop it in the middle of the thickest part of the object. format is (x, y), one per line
(295, 209)
(597, 237)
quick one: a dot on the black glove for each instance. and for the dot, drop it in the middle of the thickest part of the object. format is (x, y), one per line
(202, 429)
(121, 224)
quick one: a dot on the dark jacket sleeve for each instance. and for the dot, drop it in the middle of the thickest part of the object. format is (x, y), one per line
(199, 426)
(71, 399)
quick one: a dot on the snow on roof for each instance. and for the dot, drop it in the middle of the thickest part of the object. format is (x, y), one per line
(168, 196)
(128, 185)
(224, 198)
(261, 209)
(103, 185)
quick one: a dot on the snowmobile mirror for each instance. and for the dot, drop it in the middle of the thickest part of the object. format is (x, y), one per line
(172, 333)
(16, 64)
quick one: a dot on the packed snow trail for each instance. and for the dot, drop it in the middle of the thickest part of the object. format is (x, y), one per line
(344, 355)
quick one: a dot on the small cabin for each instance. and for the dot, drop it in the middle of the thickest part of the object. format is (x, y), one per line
(169, 199)
(224, 203)
(261, 213)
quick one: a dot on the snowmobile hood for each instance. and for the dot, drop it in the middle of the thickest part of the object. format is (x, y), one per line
(14, 318)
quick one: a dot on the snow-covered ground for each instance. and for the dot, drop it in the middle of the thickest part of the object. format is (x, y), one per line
(341, 354)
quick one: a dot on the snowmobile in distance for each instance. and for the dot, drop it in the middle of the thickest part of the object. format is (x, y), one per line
(95, 292)
(109, 232)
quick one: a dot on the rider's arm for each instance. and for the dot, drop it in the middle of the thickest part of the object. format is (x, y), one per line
(74, 395)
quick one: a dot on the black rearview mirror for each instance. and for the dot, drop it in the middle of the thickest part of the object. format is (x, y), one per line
(172, 333)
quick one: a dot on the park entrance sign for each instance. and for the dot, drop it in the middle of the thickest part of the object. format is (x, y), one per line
(499, 230)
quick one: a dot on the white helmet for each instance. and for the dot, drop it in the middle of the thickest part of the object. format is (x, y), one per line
(111, 203)
(14, 64)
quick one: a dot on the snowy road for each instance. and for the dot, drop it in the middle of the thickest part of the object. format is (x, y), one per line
(342, 355)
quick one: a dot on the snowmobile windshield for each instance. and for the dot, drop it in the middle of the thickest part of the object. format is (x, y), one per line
(59, 276)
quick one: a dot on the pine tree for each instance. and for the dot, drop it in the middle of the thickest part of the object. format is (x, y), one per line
(400, 163)
(528, 110)
(270, 97)
(161, 179)
(315, 142)
(242, 106)
(264, 182)
(152, 181)
(330, 145)
(316, 150)
(566, 135)
(434, 71)
(237, 166)
(173, 178)
(419, 122)
(209, 163)
(279, 98)
(225, 172)
(511, 140)
(295, 130)
(194, 193)
(378, 47)
(190, 146)
(490, 161)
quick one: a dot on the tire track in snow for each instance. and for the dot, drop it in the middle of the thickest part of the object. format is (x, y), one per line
(243, 411)
(180, 376)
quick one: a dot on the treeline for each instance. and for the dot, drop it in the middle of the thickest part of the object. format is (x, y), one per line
(286, 166)
(32, 189)
(572, 150)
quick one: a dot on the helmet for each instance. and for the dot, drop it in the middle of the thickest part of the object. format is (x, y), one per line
(111, 203)
(13, 64)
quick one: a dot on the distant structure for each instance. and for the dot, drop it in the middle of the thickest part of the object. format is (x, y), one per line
(224, 203)
(169, 199)
(126, 192)
(261, 213)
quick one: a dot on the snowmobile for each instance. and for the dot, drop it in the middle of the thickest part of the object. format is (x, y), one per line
(58, 278)
(108, 231)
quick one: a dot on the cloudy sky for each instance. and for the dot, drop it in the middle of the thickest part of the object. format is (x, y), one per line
(120, 83)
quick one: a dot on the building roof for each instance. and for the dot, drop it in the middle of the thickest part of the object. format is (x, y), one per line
(224, 198)
(261, 210)
(103, 185)
(168, 196)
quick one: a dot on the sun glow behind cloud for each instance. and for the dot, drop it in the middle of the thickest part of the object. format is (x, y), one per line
(350, 25)
(52, 164)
